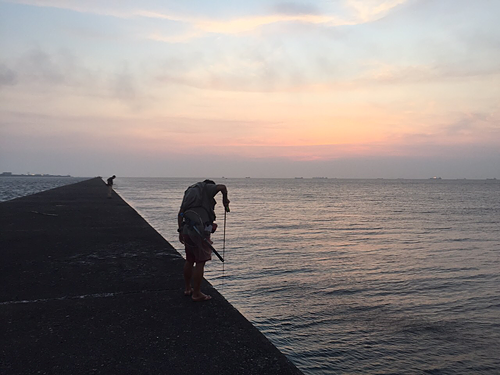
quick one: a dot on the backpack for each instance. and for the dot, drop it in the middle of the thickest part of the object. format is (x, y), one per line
(197, 206)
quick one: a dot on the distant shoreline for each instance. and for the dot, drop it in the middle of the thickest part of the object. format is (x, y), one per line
(32, 175)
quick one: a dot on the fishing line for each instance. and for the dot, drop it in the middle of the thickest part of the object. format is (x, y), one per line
(224, 245)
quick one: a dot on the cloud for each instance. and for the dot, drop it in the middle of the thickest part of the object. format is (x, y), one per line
(172, 39)
(123, 86)
(201, 27)
(89, 6)
(476, 125)
(286, 12)
(370, 10)
(61, 73)
(241, 25)
(40, 66)
(392, 74)
(292, 8)
(36, 66)
(8, 77)
(458, 131)
(382, 72)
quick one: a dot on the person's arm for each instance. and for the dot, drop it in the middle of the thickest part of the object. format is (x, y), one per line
(225, 200)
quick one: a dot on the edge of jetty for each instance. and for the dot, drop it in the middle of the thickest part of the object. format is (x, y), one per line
(88, 286)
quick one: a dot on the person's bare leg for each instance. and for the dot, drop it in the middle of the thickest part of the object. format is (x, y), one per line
(188, 274)
(197, 278)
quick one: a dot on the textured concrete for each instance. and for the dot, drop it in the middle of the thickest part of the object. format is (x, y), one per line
(88, 286)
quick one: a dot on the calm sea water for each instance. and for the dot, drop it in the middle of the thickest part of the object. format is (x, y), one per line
(19, 186)
(356, 276)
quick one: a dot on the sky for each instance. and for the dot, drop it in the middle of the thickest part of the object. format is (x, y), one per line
(338, 89)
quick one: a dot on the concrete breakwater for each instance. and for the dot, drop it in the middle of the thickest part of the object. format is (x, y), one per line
(88, 286)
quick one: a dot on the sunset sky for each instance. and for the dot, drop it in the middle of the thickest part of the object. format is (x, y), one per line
(339, 88)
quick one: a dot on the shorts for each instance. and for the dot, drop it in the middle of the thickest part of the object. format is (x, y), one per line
(196, 251)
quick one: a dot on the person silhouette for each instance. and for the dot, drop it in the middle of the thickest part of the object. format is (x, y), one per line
(110, 185)
(196, 222)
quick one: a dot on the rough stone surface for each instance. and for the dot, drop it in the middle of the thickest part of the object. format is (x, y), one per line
(88, 286)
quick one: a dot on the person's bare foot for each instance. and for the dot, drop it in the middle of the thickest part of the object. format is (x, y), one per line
(201, 297)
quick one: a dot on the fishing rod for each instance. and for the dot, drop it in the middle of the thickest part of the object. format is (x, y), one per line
(208, 243)
(192, 225)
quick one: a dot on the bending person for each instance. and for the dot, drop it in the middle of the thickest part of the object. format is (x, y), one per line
(196, 220)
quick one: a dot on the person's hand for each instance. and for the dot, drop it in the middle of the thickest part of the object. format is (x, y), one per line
(181, 238)
(226, 204)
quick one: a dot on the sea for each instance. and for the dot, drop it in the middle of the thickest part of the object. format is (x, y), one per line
(351, 276)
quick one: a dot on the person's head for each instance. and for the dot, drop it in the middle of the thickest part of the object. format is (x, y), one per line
(113, 176)
(209, 182)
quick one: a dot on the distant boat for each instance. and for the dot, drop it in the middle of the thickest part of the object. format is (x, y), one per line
(435, 178)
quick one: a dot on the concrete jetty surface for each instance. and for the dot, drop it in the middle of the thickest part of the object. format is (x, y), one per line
(88, 286)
